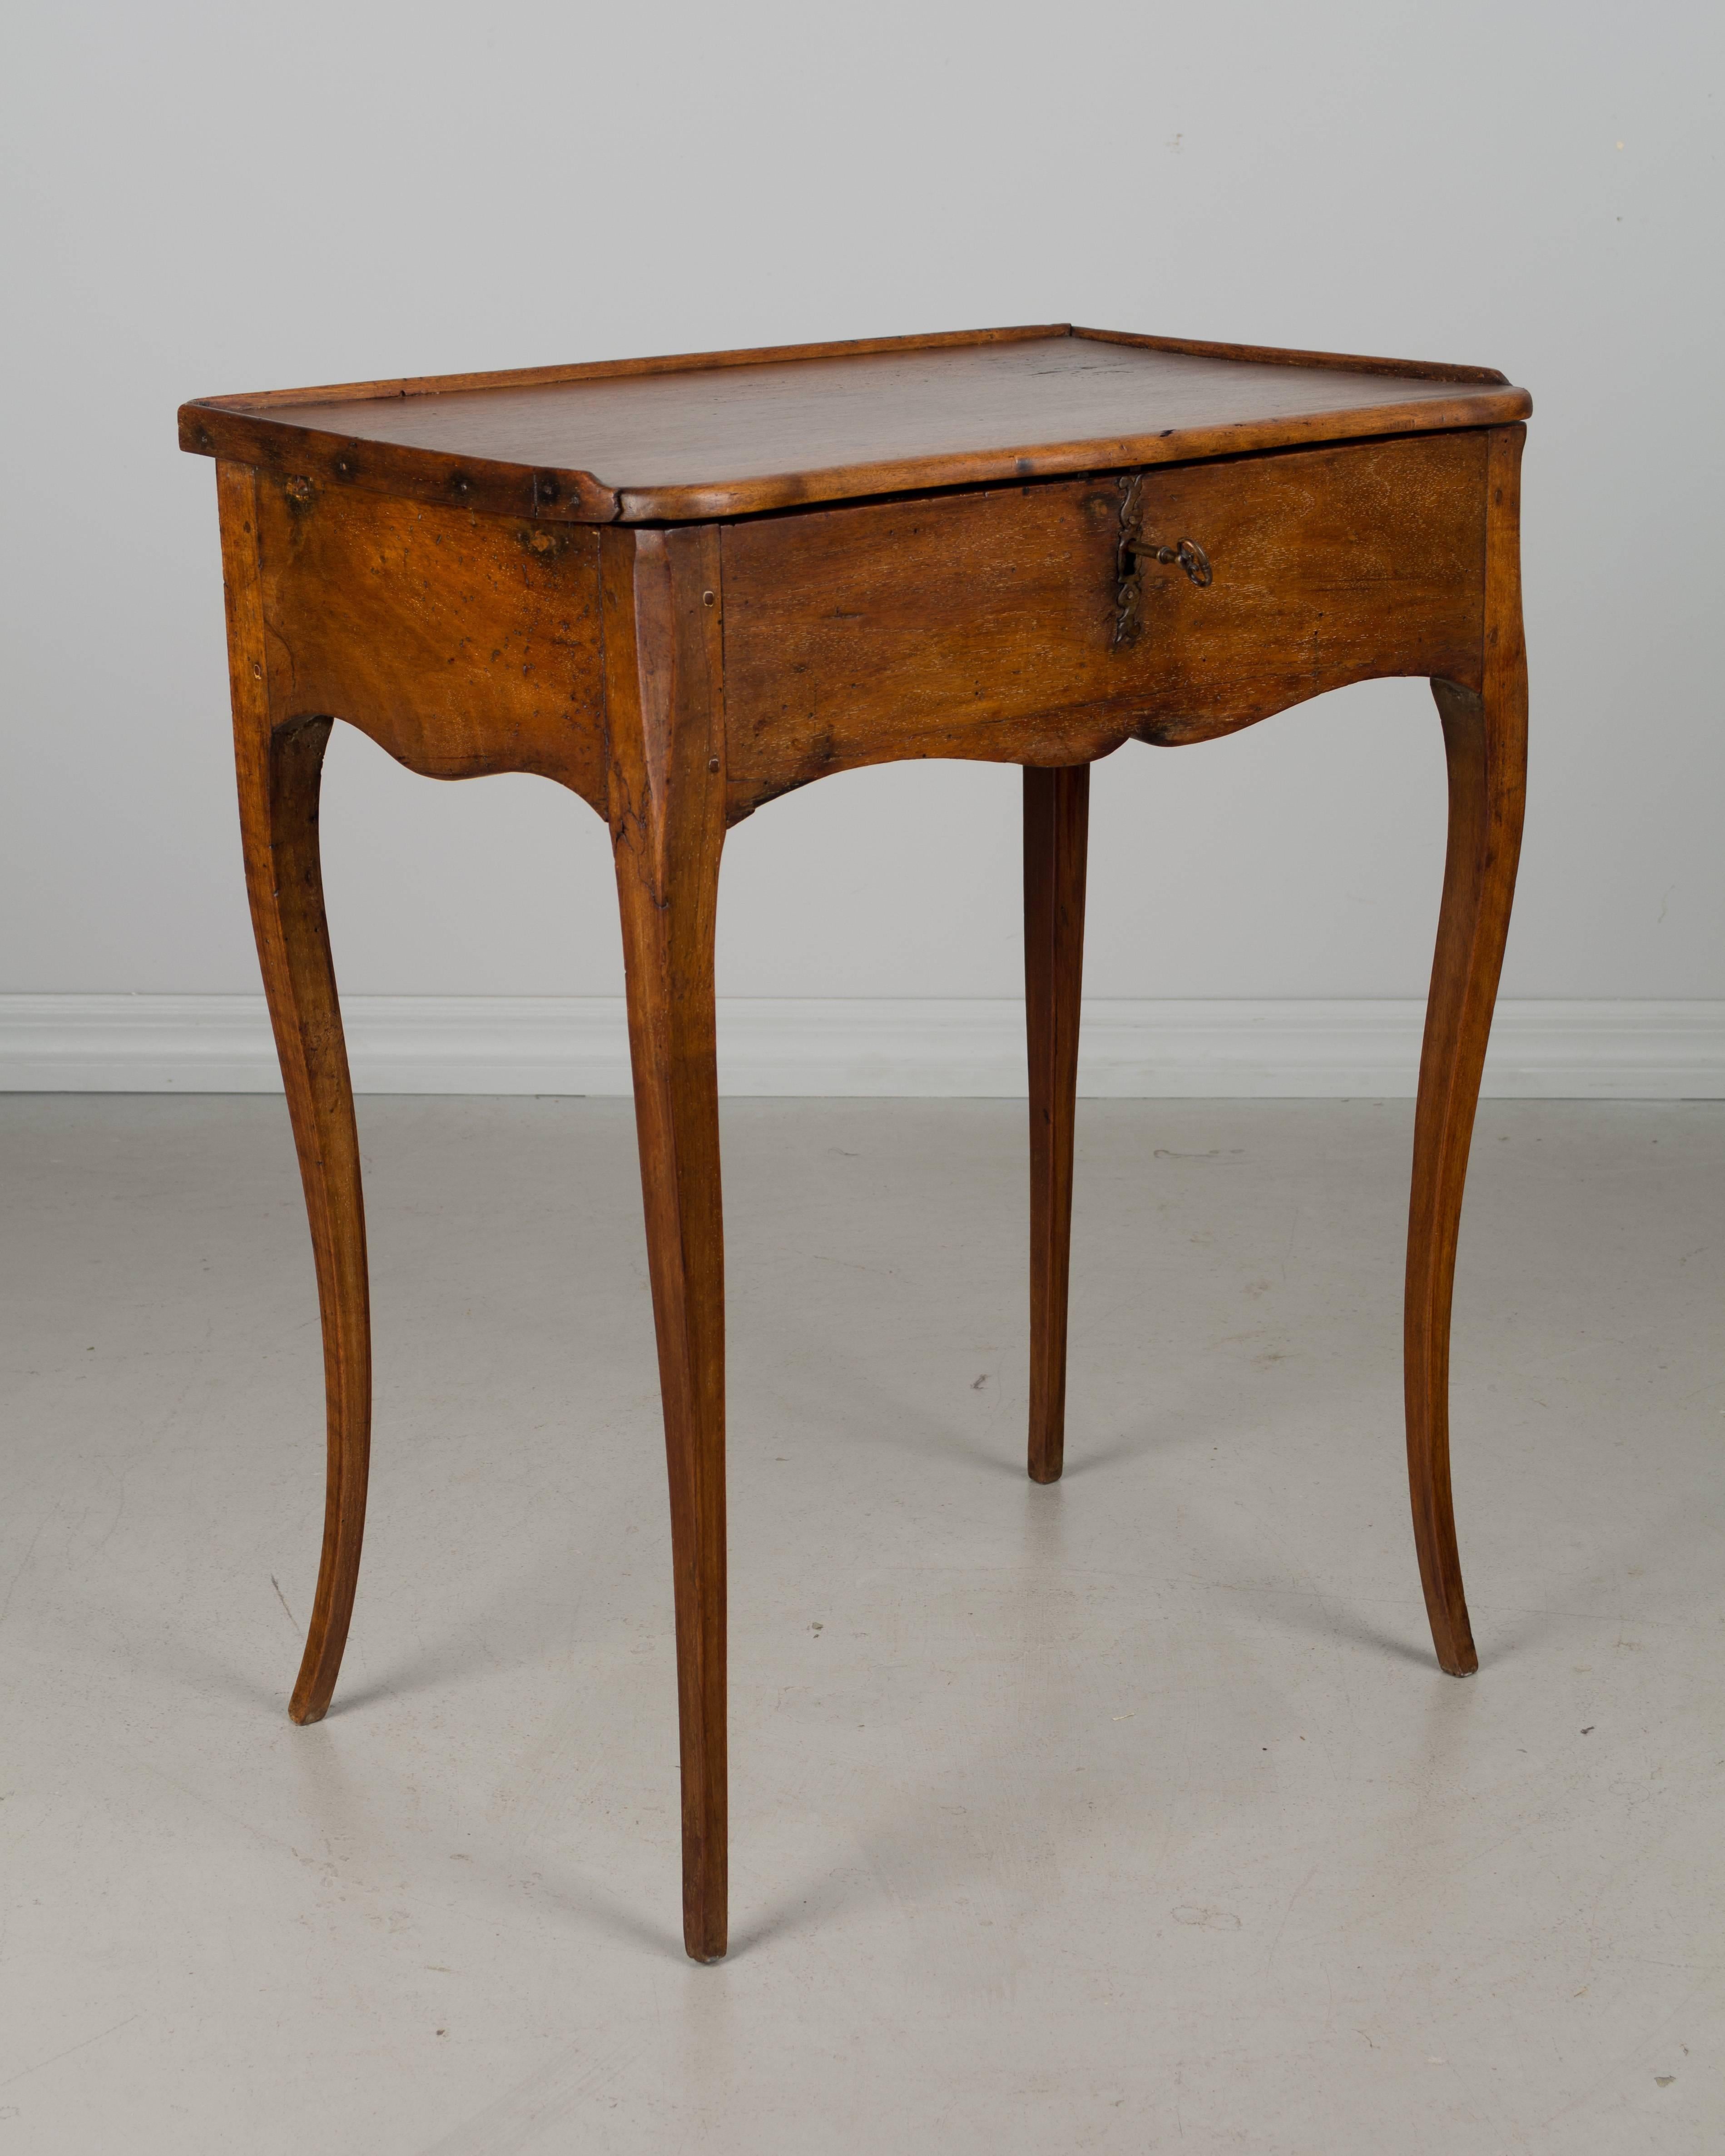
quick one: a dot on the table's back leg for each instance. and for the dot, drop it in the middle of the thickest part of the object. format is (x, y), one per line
(1485, 744)
(1056, 826)
(667, 794)
(279, 768)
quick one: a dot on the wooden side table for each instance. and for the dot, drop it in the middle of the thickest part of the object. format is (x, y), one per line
(681, 587)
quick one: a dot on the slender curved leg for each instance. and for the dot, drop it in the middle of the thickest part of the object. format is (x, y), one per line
(280, 767)
(667, 794)
(1056, 827)
(1485, 743)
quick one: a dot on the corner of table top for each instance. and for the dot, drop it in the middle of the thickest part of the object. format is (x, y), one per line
(1272, 355)
(256, 430)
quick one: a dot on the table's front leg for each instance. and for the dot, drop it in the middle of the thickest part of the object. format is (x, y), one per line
(279, 766)
(1485, 744)
(665, 705)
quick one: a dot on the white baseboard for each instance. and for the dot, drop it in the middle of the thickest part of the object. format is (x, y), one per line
(938, 1047)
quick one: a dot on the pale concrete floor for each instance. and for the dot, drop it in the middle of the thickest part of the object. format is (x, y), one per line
(1129, 1814)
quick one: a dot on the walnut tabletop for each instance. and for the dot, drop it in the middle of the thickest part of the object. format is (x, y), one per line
(683, 588)
(729, 434)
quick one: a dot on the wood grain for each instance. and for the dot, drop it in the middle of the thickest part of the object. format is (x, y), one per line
(664, 671)
(741, 434)
(1056, 835)
(982, 625)
(461, 643)
(1330, 567)
(279, 761)
(1485, 746)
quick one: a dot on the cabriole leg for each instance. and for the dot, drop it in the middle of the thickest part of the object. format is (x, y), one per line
(280, 767)
(1485, 744)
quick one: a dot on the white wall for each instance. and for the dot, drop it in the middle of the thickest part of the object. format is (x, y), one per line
(225, 197)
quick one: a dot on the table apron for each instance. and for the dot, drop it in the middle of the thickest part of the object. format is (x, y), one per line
(987, 624)
(982, 624)
(463, 642)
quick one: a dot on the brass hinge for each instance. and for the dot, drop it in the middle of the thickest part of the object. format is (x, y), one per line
(1134, 551)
